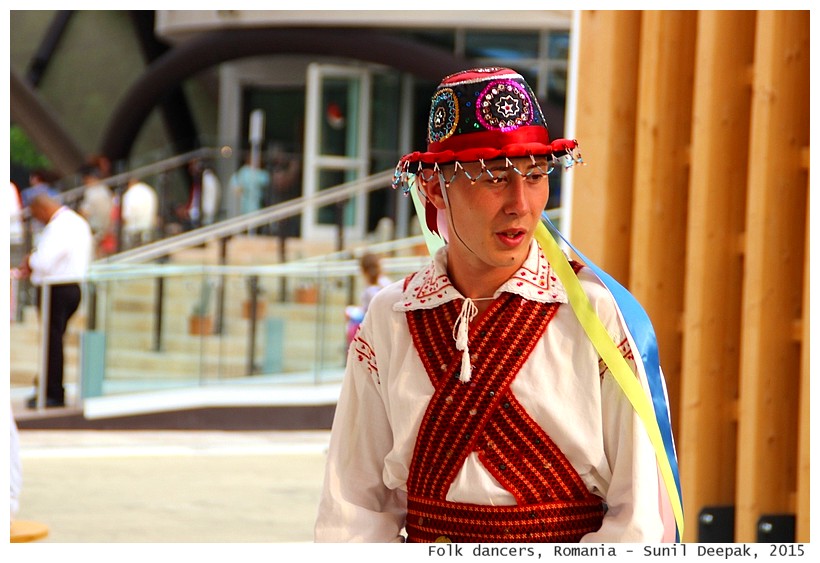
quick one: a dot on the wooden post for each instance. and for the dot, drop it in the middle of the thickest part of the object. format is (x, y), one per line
(605, 129)
(803, 528)
(661, 180)
(772, 298)
(714, 265)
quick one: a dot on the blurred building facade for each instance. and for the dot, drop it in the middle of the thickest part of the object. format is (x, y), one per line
(344, 93)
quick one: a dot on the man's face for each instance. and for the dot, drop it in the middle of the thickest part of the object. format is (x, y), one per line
(492, 219)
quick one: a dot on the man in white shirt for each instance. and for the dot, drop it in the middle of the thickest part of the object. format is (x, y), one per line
(140, 211)
(62, 258)
(211, 192)
(474, 406)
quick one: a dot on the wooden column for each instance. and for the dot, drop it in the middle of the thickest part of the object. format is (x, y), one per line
(714, 267)
(804, 444)
(773, 293)
(605, 129)
(661, 180)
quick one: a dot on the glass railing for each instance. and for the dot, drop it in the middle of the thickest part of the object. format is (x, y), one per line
(156, 327)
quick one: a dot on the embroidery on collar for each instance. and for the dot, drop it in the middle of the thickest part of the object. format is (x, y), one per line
(431, 287)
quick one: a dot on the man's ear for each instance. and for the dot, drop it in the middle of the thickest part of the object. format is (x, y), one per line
(432, 190)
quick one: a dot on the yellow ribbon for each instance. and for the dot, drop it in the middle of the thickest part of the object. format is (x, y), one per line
(597, 333)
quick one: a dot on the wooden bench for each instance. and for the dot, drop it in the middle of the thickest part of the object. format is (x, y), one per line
(27, 530)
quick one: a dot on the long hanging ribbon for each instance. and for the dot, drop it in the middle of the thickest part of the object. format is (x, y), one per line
(654, 414)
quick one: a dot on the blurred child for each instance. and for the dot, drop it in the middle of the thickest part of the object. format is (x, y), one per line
(370, 265)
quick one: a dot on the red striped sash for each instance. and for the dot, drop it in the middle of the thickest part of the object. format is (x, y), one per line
(483, 416)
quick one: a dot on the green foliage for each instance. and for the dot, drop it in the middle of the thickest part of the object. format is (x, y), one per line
(24, 152)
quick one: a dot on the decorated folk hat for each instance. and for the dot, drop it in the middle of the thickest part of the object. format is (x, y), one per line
(482, 114)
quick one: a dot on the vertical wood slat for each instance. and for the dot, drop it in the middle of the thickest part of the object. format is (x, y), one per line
(605, 129)
(803, 508)
(661, 180)
(772, 299)
(714, 267)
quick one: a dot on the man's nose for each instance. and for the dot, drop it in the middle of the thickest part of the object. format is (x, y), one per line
(516, 202)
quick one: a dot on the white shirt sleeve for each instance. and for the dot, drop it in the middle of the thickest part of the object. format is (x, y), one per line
(356, 505)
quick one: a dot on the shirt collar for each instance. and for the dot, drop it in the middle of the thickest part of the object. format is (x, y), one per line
(62, 209)
(534, 280)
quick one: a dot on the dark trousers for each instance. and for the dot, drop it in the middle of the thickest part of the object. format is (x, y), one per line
(65, 299)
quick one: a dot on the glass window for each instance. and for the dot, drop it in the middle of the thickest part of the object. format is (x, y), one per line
(557, 85)
(443, 39)
(384, 120)
(511, 45)
(559, 45)
(340, 105)
(344, 211)
(284, 110)
(384, 141)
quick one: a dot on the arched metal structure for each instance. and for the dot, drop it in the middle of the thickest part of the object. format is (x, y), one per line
(212, 48)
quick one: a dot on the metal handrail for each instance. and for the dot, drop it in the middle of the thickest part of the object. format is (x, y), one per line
(157, 167)
(251, 220)
(346, 267)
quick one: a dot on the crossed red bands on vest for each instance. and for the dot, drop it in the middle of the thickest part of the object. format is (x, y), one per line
(458, 412)
(483, 416)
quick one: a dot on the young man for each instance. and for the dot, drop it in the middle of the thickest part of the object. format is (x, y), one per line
(475, 408)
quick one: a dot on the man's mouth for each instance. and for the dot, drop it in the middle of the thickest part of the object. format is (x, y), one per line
(511, 236)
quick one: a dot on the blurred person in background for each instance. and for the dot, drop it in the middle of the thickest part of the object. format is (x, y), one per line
(61, 258)
(139, 212)
(39, 181)
(374, 281)
(97, 206)
(203, 197)
(248, 186)
(211, 195)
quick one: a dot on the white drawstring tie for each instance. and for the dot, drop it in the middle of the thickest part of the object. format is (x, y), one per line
(461, 330)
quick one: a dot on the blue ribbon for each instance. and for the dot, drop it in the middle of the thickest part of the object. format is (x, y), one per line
(639, 325)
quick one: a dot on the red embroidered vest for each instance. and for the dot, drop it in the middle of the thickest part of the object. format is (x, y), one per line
(483, 416)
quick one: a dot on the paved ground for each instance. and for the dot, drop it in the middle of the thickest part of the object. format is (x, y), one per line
(172, 486)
